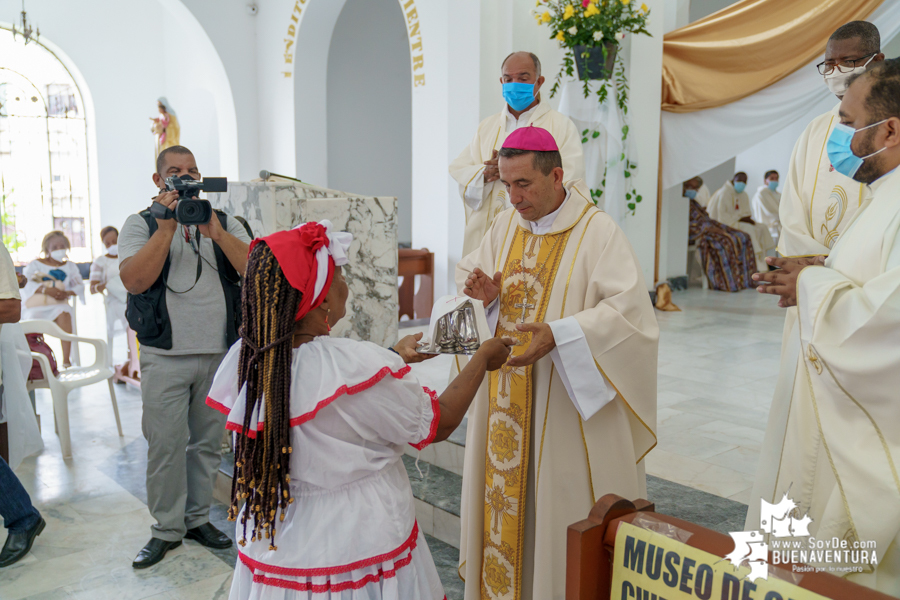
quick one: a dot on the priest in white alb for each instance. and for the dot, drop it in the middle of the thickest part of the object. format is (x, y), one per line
(731, 206)
(764, 205)
(475, 169)
(817, 204)
(573, 414)
(817, 201)
(840, 451)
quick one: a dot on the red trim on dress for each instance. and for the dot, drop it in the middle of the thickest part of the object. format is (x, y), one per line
(435, 419)
(333, 587)
(409, 544)
(310, 415)
(218, 406)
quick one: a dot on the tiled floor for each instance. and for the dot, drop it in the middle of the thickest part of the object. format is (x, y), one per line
(718, 364)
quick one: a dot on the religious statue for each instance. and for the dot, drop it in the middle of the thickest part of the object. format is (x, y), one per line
(165, 127)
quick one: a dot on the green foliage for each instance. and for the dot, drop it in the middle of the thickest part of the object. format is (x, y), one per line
(12, 239)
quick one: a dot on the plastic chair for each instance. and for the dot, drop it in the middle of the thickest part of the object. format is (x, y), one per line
(71, 378)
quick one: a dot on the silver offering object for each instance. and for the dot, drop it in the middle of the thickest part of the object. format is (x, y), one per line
(455, 332)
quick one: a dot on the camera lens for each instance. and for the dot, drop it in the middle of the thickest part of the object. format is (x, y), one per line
(193, 212)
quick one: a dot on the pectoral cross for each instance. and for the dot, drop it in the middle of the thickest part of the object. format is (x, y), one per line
(524, 306)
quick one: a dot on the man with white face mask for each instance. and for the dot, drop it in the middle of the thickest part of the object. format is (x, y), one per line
(817, 203)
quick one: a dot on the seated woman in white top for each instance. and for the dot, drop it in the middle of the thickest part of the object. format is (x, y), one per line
(321, 425)
(104, 269)
(52, 280)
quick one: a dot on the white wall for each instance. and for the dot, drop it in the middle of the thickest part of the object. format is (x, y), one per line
(369, 97)
(127, 59)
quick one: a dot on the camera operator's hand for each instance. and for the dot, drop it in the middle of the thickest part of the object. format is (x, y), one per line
(213, 230)
(170, 201)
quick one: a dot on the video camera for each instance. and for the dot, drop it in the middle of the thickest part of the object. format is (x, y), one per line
(190, 210)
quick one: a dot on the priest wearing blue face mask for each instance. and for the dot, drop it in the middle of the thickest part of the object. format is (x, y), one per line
(765, 204)
(476, 170)
(731, 206)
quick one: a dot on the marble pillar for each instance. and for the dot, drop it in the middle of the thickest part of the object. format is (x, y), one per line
(372, 308)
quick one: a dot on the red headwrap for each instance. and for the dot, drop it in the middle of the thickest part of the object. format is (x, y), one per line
(295, 250)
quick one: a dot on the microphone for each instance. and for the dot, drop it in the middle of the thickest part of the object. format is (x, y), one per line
(264, 175)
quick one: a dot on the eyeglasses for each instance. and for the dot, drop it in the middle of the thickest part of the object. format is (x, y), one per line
(844, 67)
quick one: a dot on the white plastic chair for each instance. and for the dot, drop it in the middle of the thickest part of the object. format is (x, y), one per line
(71, 378)
(694, 258)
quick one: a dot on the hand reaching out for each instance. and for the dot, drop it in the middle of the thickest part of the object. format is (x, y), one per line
(406, 348)
(542, 342)
(783, 281)
(481, 287)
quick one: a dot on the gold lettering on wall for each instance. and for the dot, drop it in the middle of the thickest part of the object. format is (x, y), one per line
(415, 42)
(412, 28)
(292, 36)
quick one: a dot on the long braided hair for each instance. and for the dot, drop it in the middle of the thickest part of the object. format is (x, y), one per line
(262, 463)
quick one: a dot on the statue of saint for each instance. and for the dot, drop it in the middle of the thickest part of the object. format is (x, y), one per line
(165, 127)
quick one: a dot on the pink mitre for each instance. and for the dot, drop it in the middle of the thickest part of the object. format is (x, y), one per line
(531, 138)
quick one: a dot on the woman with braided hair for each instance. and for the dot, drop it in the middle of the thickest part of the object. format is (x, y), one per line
(323, 505)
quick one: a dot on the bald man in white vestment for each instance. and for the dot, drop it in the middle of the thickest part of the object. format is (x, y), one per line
(573, 414)
(841, 445)
(817, 205)
(731, 207)
(475, 169)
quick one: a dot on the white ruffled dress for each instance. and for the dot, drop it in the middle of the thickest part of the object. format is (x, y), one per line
(351, 532)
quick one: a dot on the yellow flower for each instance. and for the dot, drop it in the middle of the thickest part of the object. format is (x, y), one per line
(644, 8)
(591, 10)
(570, 10)
(595, 1)
(546, 17)
(560, 36)
(626, 2)
(537, 2)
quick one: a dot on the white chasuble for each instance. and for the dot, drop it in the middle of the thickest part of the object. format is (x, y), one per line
(841, 442)
(533, 466)
(817, 202)
(728, 207)
(483, 202)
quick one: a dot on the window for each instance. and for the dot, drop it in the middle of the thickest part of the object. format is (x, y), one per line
(43, 152)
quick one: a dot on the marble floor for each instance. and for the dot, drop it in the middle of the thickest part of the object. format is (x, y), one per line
(717, 370)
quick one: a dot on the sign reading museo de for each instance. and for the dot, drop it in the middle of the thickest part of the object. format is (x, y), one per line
(650, 566)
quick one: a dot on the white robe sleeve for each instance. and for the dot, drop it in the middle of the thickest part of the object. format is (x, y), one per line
(468, 172)
(476, 191)
(796, 238)
(587, 387)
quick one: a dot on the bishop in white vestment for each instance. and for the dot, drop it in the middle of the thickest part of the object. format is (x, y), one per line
(731, 206)
(573, 414)
(475, 169)
(817, 205)
(841, 442)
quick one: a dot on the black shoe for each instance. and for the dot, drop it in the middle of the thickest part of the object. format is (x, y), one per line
(19, 543)
(153, 552)
(209, 536)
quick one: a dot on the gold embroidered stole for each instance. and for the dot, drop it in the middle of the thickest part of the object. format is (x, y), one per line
(528, 276)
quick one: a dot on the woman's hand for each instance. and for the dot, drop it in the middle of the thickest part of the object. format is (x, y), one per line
(406, 348)
(495, 352)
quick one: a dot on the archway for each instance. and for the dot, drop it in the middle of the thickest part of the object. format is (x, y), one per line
(45, 157)
(369, 136)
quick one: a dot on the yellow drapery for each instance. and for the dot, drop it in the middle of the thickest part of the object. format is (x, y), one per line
(748, 46)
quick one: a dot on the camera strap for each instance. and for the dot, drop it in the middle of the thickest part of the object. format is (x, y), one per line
(199, 266)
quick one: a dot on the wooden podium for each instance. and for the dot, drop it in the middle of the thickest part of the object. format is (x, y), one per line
(591, 559)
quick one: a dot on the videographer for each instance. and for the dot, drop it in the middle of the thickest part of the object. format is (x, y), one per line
(184, 305)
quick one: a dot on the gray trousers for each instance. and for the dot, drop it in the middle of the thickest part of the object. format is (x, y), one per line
(185, 438)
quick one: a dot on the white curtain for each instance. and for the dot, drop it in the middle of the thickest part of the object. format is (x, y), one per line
(604, 152)
(696, 142)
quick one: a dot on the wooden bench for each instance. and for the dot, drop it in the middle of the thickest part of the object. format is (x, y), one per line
(413, 263)
(590, 555)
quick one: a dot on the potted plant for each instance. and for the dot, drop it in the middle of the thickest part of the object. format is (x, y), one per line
(590, 31)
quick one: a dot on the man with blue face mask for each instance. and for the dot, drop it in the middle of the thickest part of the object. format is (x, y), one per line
(731, 206)
(476, 170)
(841, 437)
(765, 204)
(818, 202)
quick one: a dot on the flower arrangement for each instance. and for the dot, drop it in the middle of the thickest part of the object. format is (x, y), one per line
(596, 27)
(583, 25)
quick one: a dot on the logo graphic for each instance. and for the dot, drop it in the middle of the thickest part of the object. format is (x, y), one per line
(774, 519)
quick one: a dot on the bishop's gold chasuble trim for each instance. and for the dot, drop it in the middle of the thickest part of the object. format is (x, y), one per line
(528, 276)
